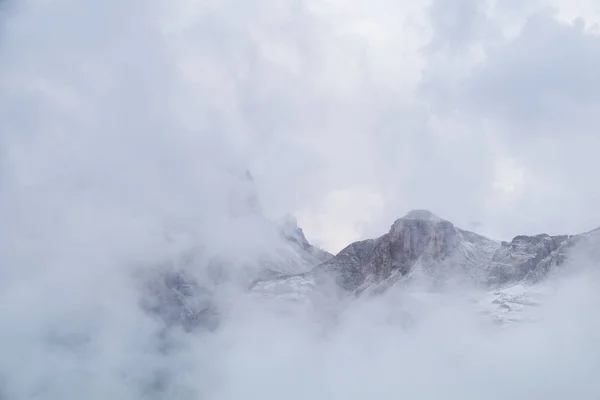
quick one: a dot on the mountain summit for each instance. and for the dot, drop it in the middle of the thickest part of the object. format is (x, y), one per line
(420, 242)
(423, 215)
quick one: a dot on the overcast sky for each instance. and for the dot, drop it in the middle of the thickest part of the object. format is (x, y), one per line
(483, 112)
(348, 113)
(119, 119)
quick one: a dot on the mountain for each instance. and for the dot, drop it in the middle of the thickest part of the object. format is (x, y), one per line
(182, 291)
(418, 243)
(526, 257)
(293, 234)
(274, 259)
(422, 247)
(174, 292)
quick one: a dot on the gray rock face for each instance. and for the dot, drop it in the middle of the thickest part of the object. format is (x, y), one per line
(180, 301)
(419, 241)
(525, 257)
(532, 258)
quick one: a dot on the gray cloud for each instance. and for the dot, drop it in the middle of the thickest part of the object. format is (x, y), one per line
(528, 98)
(544, 79)
(459, 25)
(119, 122)
(279, 90)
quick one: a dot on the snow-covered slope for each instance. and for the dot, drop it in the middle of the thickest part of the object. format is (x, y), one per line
(514, 303)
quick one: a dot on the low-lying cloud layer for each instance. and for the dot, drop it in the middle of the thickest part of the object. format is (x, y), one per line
(125, 128)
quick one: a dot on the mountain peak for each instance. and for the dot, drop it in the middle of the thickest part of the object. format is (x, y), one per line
(288, 226)
(423, 215)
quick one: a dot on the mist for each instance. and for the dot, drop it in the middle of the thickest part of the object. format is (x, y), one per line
(126, 130)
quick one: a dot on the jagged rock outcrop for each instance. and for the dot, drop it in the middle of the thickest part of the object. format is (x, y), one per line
(523, 258)
(293, 234)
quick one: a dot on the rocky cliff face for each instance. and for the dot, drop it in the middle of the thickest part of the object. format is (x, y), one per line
(525, 257)
(421, 243)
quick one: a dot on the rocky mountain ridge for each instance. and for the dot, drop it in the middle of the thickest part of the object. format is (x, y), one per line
(423, 246)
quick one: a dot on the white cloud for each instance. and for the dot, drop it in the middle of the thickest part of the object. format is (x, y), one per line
(118, 120)
(331, 215)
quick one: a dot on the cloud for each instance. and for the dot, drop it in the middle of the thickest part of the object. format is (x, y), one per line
(122, 121)
(525, 100)
(542, 80)
(459, 25)
(414, 105)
